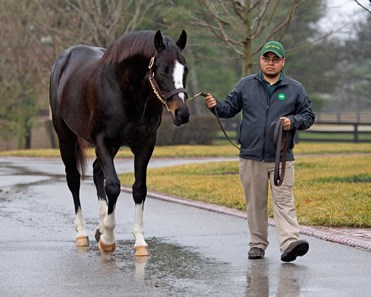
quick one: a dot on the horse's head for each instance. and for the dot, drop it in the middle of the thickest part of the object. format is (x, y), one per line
(168, 71)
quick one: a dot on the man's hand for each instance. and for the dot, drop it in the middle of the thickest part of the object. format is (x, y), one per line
(210, 101)
(286, 123)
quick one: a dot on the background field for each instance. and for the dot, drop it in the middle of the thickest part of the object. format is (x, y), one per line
(332, 181)
(332, 190)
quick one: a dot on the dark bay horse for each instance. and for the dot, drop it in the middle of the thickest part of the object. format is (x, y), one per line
(110, 98)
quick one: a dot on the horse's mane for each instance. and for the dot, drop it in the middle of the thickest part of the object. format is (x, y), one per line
(130, 44)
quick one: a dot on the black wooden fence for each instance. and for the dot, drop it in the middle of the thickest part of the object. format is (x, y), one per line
(336, 132)
(328, 127)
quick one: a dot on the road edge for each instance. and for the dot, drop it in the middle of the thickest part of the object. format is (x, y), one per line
(310, 231)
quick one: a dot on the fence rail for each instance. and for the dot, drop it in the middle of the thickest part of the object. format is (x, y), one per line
(336, 132)
(321, 131)
(363, 117)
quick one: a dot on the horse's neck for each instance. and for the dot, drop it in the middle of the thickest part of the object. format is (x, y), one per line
(131, 79)
(133, 74)
(135, 65)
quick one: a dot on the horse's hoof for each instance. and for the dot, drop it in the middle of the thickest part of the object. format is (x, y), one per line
(97, 235)
(141, 251)
(106, 248)
(82, 241)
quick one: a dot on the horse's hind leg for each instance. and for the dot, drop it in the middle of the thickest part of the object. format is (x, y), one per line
(70, 152)
(105, 155)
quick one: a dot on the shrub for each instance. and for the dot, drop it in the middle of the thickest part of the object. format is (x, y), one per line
(201, 129)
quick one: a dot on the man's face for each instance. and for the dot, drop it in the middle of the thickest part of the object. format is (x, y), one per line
(271, 65)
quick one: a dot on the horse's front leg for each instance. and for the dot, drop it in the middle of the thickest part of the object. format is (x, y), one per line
(141, 160)
(107, 242)
(98, 176)
(140, 246)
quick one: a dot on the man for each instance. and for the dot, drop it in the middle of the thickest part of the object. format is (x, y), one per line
(264, 98)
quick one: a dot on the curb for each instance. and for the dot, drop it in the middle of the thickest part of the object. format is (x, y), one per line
(243, 215)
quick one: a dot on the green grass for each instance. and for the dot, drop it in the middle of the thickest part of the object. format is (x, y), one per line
(332, 190)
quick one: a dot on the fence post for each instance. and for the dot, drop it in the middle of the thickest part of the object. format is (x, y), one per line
(297, 137)
(356, 138)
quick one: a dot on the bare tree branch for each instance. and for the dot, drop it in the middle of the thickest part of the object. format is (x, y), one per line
(258, 22)
(238, 23)
(365, 8)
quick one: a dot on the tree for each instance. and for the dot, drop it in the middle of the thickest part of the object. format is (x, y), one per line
(228, 34)
(18, 71)
(354, 77)
(95, 22)
(310, 53)
(246, 25)
(35, 32)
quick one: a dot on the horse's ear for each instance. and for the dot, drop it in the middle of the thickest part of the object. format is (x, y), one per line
(182, 41)
(159, 41)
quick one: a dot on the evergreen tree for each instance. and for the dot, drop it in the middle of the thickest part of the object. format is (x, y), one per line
(354, 77)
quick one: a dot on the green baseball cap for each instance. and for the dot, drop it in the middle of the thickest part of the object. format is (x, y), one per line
(274, 47)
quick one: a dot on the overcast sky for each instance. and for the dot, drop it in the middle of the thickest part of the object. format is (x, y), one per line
(342, 14)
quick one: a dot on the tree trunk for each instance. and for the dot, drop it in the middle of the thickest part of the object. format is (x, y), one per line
(247, 62)
(194, 87)
(27, 139)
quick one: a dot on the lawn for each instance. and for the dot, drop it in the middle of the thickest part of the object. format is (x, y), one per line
(332, 181)
(332, 190)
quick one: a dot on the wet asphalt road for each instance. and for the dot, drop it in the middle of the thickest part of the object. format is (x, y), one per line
(193, 252)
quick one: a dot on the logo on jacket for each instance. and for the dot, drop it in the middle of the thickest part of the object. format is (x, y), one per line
(281, 96)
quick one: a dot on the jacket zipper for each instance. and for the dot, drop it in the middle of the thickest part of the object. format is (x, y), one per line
(266, 119)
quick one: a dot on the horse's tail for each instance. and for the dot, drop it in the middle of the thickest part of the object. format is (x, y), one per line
(80, 156)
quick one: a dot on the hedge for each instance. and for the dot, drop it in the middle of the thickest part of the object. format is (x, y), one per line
(201, 129)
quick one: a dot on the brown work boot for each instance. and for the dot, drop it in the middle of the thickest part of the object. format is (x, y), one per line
(256, 253)
(296, 249)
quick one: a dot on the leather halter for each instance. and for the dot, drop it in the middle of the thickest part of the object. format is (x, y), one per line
(162, 96)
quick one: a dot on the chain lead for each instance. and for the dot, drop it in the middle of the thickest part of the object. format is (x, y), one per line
(198, 94)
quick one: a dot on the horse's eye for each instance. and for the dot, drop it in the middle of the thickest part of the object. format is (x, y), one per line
(162, 71)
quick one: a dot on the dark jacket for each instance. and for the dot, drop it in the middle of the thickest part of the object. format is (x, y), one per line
(260, 109)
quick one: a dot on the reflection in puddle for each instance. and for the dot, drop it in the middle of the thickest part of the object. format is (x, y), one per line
(262, 279)
(140, 267)
(291, 280)
(82, 249)
(258, 279)
(174, 267)
(170, 267)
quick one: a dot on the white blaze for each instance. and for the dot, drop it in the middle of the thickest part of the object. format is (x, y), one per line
(178, 77)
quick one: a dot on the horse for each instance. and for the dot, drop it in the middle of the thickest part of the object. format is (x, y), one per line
(108, 98)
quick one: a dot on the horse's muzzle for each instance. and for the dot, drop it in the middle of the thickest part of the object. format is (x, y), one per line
(181, 116)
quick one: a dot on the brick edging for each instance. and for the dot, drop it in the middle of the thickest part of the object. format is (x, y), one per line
(242, 214)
